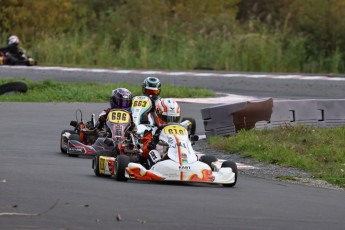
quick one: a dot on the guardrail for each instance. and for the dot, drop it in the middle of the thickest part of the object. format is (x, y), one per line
(227, 119)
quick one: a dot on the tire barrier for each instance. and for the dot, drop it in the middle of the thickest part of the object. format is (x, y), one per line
(226, 120)
(13, 87)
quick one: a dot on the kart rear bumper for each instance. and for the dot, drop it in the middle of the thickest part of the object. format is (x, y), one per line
(169, 170)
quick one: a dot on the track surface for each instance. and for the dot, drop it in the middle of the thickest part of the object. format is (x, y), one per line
(40, 188)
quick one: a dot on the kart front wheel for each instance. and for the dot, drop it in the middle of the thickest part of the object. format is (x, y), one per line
(122, 162)
(233, 166)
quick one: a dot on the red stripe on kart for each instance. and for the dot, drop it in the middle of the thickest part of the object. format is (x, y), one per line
(179, 156)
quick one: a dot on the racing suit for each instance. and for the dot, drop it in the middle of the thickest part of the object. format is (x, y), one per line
(148, 117)
(149, 141)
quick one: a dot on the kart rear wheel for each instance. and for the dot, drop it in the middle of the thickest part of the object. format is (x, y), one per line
(193, 127)
(122, 162)
(208, 159)
(233, 166)
(62, 148)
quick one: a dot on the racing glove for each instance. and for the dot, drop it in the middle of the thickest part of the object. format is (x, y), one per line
(154, 141)
(151, 145)
(155, 138)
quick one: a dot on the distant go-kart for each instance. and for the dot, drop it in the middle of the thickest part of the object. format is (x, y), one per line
(178, 163)
(80, 133)
(23, 59)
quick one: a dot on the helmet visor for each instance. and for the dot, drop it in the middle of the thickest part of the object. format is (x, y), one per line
(123, 103)
(152, 91)
(168, 118)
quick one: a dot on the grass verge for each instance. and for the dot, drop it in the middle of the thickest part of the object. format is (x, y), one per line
(320, 151)
(53, 91)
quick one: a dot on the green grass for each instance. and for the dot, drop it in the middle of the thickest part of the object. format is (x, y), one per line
(53, 91)
(263, 52)
(320, 151)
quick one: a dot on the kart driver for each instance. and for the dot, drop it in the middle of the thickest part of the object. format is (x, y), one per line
(121, 98)
(12, 53)
(151, 88)
(166, 111)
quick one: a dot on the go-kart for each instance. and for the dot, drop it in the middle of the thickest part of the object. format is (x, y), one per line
(179, 162)
(82, 132)
(116, 139)
(23, 59)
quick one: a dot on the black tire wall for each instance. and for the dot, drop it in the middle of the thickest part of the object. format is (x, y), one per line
(13, 87)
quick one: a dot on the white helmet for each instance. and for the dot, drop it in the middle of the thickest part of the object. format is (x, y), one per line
(166, 110)
(13, 40)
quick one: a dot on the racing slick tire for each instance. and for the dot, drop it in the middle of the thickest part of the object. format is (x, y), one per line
(13, 87)
(122, 162)
(233, 166)
(95, 162)
(62, 148)
(193, 128)
(208, 159)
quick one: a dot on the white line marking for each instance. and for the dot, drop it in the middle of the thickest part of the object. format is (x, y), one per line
(17, 214)
(178, 73)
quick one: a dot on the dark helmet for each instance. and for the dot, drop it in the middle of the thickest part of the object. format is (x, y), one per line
(151, 87)
(121, 98)
(13, 40)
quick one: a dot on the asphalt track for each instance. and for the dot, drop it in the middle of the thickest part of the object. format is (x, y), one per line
(40, 188)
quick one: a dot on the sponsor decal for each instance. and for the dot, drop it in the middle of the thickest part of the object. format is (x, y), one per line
(184, 158)
(171, 142)
(102, 165)
(71, 149)
(184, 168)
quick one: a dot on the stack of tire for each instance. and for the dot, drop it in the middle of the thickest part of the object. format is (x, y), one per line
(13, 87)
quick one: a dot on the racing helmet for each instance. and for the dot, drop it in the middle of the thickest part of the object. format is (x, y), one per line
(121, 98)
(151, 87)
(166, 110)
(13, 40)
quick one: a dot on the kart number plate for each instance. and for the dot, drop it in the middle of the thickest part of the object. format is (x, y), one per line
(175, 130)
(120, 117)
(141, 103)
